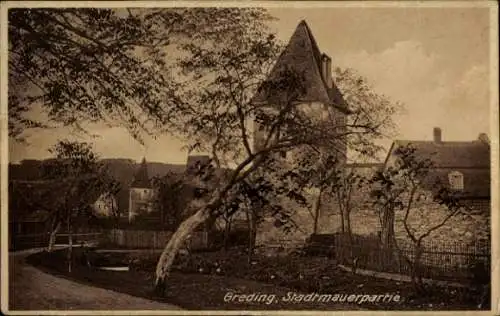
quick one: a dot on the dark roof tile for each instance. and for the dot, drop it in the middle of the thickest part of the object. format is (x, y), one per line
(471, 154)
(471, 158)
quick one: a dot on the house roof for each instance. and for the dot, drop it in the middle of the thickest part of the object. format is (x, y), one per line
(471, 158)
(141, 178)
(302, 56)
(460, 154)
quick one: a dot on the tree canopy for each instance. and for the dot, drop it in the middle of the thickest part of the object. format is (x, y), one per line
(107, 65)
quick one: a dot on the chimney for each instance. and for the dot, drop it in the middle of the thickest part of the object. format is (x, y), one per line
(326, 69)
(484, 138)
(437, 135)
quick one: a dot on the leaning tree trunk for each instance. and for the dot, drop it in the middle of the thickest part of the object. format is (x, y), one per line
(173, 246)
(53, 234)
(227, 230)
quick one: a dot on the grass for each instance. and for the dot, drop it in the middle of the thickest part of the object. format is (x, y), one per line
(201, 280)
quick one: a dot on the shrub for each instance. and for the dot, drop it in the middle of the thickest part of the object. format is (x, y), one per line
(236, 237)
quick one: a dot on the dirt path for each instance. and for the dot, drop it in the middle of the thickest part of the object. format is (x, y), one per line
(32, 289)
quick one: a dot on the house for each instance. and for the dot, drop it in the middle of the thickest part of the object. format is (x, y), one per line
(461, 166)
(194, 177)
(106, 205)
(141, 193)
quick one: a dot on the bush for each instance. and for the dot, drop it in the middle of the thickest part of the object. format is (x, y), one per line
(236, 237)
(320, 245)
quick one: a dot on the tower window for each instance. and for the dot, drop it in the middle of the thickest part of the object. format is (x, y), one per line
(456, 180)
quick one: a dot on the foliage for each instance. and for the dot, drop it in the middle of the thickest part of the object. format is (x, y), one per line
(171, 194)
(105, 65)
(372, 113)
(99, 65)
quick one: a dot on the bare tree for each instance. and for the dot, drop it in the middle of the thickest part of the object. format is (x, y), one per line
(78, 166)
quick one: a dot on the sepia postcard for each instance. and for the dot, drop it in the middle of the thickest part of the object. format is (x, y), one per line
(246, 157)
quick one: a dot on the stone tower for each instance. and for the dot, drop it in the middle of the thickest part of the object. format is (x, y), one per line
(302, 56)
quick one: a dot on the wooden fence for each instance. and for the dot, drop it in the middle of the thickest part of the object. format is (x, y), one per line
(150, 239)
(27, 241)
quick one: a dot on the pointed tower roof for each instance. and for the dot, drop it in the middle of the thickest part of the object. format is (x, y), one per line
(302, 55)
(141, 179)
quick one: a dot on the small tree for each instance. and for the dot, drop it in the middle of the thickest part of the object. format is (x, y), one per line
(111, 188)
(77, 167)
(170, 199)
(408, 187)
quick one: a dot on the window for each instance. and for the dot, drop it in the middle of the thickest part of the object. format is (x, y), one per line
(456, 180)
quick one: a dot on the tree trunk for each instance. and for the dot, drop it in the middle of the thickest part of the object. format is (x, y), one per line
(175, 243)
(162, 216)
(254, 230)
(227, 230)
(70, 243)
(316, 211)
(417, 273)
(251, 234)
(387, 234)
(348, 223)
(53, 234)
(342, 220)
(115, 211)
(353, 258)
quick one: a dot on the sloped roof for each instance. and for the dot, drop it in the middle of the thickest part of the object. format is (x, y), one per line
(302, 56)
(471, 158)
(460, 154)
(141, 178)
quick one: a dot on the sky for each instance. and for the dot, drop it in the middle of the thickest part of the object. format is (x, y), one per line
(433, 60)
